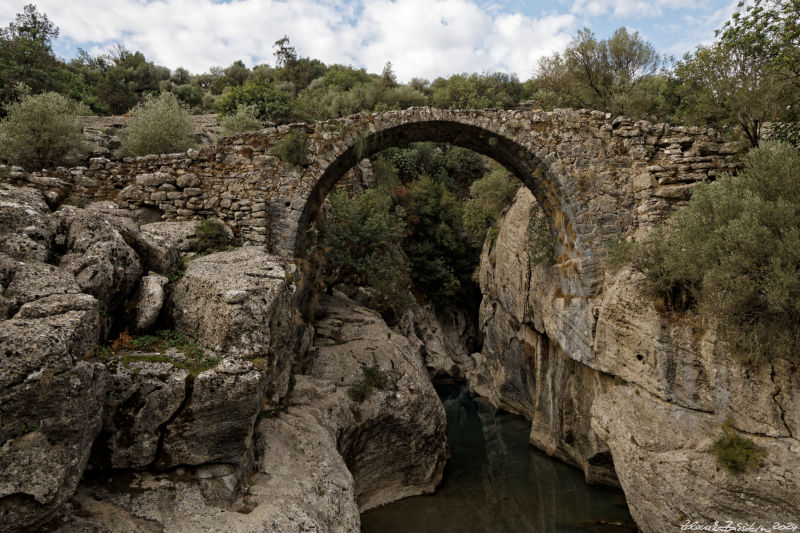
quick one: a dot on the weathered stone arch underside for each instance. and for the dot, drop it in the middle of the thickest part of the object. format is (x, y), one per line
(530, 170)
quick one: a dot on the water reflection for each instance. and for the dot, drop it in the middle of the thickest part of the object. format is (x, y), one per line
(495, 482)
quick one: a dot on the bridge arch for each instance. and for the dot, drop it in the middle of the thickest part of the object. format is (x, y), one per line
(529, 153)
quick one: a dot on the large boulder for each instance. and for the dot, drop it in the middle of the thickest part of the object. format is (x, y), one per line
(239, 303)
(148, 301)
(142, 397)
(670, 477)
(49, 401)
(393, 435)
(28, 281)
(27, 231)
(178, 235)
(300, 483)
(216, 425)
(100, 256)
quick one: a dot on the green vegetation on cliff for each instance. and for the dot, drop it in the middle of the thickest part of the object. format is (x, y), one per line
(733, 254)
(735, 453)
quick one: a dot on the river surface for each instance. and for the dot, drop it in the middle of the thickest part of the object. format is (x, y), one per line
(496, 482)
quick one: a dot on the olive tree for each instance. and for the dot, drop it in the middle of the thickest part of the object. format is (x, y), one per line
(159, 125)
(41, 131)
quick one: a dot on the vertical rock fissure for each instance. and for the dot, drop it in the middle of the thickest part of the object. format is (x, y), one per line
(159, 461)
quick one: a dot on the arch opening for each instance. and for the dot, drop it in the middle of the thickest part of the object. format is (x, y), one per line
(520, 161)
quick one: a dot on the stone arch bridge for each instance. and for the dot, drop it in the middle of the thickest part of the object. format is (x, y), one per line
(597, 177)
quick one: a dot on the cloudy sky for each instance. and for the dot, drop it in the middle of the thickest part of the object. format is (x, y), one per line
(425, 38)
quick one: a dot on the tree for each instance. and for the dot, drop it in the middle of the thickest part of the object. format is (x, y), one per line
(271, 104)
(608, 75)
(361, 243)
(442, 258)
(285, 54)
(158, 125)
(26, 55)
(238, 72)
(770, 29)
(477, 91)
(490, 195)
(41, 131)
(388, 76)
(729, 85)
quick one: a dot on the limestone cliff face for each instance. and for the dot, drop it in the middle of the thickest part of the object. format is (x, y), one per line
(633, 396)
(523, 367)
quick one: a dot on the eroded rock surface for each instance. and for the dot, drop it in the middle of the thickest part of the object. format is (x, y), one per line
(49, 402)
(633, 395)
(142, 397)
(663, 459)
(394, 442)
(441, 339)
(521, 368)
(239, 303)
(217, 424)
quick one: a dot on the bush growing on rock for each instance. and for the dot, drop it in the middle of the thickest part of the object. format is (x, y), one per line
(734, 254)
(41, 131)
(160, 125)
(244, 119)
(490, 195)
(372, 378)
(735, 453)
(291, 148)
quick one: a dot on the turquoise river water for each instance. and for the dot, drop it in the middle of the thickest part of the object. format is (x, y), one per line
(496, 482)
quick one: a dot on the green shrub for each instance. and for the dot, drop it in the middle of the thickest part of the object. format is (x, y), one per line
(734, 254)
(244, 119)
(490, 196)
(291, 148)
(41, 131)
(734, 452)
(372, 378)
(160, 125)
(270, 103)
(211, 235)
(360, 242)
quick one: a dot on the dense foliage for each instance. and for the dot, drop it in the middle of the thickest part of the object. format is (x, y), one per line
(361, 244)
(436, 191)
(489, 195)
(733, 254)
(622, 74)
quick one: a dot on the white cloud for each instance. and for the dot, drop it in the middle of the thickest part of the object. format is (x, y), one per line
(629, 8)
(426, 38)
